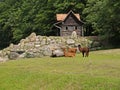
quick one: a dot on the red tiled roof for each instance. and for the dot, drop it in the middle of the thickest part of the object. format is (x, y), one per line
(61, 17)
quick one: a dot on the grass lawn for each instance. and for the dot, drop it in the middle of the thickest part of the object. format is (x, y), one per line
(99, 71)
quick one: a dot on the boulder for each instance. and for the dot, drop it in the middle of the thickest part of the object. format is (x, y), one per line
(58, 53)
(13, 55)
(3, 59)
(70, 41)
(29, 55)
(32, 37)
(46, 50)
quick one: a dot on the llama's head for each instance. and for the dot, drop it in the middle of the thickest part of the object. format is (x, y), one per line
(79, 46)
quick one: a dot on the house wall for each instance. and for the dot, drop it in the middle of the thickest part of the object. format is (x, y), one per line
(67, 30)
(71, 21)
(70, 24)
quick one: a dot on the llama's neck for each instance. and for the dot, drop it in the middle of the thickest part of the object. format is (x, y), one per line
(79, 47)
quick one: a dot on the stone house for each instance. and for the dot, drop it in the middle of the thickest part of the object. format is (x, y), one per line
(66, 23)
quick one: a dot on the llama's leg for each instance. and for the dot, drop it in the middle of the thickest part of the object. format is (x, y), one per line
(87, 54)
(83, 54)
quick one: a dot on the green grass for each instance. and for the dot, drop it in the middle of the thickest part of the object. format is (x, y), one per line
(99, 71)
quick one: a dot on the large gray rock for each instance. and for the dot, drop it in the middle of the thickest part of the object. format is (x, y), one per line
(13, 55)
(70, 41)
(37, 44)
(3, 59)
(43, 42)
(29, 55)
(32, 37)
(23, 55)
(47, 50)
(28, 46)
(58, 53)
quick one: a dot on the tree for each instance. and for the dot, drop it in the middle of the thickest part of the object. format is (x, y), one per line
(21, 17)
(110, 21)
(104, 17)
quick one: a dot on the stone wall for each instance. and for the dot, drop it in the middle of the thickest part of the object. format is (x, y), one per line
(40, 46)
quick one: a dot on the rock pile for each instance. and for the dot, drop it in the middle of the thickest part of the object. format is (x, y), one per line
(40, 46)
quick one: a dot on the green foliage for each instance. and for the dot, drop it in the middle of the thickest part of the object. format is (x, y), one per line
(21, 17)
(104, 17)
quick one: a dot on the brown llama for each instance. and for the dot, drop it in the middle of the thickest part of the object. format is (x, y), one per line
(72, 50)
(84, 50)
(70, 53)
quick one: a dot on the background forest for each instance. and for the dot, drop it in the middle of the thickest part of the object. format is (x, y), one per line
(18, 18)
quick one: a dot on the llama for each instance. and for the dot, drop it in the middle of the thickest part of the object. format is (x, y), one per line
(73, 50)
(84, 50)
(70, 53)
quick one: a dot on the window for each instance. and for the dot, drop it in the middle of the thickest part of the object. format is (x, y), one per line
(75, 27)
(66, 28)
